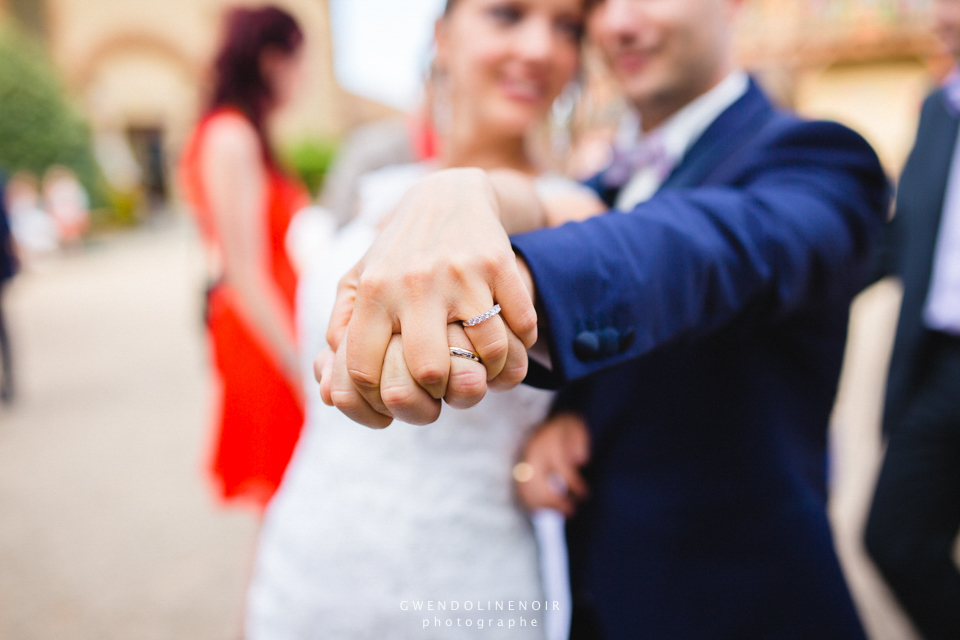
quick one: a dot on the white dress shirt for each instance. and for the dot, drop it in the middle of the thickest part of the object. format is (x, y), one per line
(678, 134)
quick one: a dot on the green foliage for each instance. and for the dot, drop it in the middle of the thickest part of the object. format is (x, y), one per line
(310, 159)
(38, 128)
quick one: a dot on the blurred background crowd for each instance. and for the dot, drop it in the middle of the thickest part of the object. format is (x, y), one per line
(106, 529)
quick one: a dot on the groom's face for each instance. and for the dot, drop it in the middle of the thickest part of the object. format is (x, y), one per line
(946, 17)
(664, 53)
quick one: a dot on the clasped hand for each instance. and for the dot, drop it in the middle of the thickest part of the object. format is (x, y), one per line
(444, 257)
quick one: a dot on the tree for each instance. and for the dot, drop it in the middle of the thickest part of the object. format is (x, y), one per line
(38, 127)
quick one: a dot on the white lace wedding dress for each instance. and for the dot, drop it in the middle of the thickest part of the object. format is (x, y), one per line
(372, 532)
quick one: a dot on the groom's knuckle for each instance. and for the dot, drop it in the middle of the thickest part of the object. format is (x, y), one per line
(364, 379)
(513, 374)
(429, 374)
(398, 396)
(346, 400)
(496, 348)
(469, 383)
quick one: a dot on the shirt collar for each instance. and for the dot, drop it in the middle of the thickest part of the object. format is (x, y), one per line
(685, 127)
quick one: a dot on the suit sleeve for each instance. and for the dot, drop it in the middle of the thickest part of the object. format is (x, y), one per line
(798, 222)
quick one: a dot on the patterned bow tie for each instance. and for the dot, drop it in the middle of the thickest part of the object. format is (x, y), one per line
(649, 153)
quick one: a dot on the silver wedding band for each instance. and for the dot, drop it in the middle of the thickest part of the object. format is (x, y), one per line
(483, 317)
(457, 352)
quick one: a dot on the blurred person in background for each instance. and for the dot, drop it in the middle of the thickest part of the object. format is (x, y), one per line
(368, 147)
(243, 203)
(699, 328)
(65, 199)
(374, 146)
(34, 230)
(8, 268)
(366, 521)
(915, 518)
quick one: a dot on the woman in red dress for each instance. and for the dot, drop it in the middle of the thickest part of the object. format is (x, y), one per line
(244, 203)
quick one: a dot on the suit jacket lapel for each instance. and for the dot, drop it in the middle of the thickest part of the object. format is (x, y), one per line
(729, 132)
(932, 158)
(725, 135)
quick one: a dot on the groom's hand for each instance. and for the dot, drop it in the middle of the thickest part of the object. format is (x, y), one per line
(443, 258)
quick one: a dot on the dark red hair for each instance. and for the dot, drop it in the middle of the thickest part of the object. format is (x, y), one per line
(238, 80)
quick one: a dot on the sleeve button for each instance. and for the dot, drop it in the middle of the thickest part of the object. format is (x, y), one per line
(609, 342)
(586, 346)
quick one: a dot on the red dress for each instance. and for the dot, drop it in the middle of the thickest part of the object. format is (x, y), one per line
(259, 414)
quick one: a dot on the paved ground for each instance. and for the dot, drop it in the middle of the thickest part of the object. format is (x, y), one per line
(107, 529)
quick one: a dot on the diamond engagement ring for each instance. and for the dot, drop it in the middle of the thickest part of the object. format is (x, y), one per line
(472, 322)
(463, 353)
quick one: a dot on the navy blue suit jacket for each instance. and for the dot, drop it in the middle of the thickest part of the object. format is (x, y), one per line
(701, 336)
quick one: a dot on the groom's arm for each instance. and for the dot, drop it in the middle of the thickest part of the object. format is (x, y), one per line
(686, 262)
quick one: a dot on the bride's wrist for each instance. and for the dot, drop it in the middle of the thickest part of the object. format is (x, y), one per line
(527, 278)
(519, 208)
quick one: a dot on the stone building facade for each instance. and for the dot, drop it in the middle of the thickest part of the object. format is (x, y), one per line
(866, 63)
(138, 69)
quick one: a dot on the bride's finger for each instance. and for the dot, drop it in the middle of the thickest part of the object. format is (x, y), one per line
(515, 368)
(468, 378)
(403, 397)
(489, 340)
(342, 308)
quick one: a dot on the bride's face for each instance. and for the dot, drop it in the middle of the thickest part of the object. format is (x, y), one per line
(507, 60)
